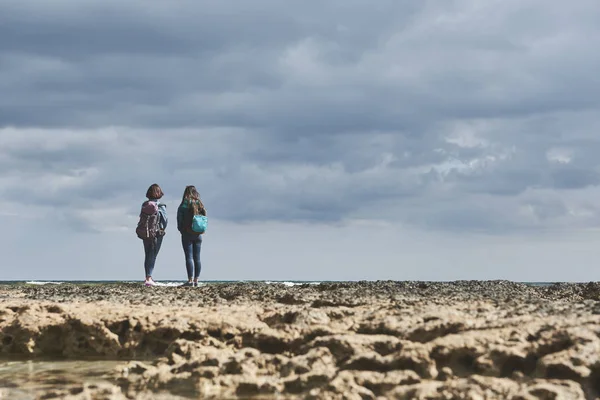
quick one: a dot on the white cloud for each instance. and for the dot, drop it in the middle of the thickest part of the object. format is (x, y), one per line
(560, 156)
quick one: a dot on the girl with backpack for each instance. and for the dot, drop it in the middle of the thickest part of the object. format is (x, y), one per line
(191, 220)
(151, 229)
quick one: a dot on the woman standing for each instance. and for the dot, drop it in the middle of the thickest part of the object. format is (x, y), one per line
(190, 206)
(151, 228)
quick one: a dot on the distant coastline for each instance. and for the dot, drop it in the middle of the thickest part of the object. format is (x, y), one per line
(285, 282)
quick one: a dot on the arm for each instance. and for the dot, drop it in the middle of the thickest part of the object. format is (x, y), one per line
(180, 219)
(162, 211)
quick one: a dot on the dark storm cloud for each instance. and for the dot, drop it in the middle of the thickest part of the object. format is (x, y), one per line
(334, 68)
(110, 62)
(454, 115)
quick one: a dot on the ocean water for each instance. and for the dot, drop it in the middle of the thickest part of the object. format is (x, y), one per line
(178, 283)
(23, 380)
(162, 283)
(27, 380)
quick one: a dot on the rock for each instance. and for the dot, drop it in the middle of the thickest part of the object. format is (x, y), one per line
(318, 359)
(354, 340)
(344, 386)
(347, 345)
(445, 374)
(382, 383)
(550, 390)
(575, 362)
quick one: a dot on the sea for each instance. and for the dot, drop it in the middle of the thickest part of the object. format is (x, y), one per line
(178, 283)
(161, 283)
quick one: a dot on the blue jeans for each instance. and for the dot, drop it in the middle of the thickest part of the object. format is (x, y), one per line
(191, 249)
(151, 248)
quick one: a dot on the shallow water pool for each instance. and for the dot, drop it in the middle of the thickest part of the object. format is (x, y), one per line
(20, 380)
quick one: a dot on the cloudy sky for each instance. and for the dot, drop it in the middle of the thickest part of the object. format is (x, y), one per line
(333, 139)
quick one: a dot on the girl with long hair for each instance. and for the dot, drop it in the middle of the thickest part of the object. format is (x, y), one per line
(191, 241)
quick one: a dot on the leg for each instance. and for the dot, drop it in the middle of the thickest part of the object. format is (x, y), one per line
(197, 247)
(149, 258)
(189, 259)
(156, 243)
(159, 240)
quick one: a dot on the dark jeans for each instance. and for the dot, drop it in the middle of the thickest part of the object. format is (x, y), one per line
(191, 248)
(151, 248)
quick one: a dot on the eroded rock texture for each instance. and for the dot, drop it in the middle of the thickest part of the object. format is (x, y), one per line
(397, 340)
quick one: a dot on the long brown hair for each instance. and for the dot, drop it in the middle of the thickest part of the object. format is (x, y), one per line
(191, 197)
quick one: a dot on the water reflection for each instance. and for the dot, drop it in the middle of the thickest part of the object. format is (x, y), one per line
(24, 380)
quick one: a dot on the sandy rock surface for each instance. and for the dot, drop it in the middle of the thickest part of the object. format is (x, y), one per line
(398, 340)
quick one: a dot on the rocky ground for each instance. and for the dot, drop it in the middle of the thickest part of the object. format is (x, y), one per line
(383, 340)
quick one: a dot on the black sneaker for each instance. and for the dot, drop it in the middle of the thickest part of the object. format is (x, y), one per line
(195, 284)
(187, 284)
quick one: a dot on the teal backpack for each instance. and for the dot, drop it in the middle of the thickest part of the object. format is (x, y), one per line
(199, 223)
(196, 221)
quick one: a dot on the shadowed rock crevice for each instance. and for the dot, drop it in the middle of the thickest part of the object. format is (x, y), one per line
(593, 384)
(512, 363)
(276, 320)
(434, 330)
(121, 329)
(461, 361)
(266, 343)
(51, 341)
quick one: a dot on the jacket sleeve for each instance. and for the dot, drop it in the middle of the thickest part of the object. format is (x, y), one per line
(162, 210)
(180, 218)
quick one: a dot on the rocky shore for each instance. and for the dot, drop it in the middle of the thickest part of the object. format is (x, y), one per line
(364, 340)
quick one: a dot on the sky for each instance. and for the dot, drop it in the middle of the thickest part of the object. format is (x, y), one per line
(330, 140)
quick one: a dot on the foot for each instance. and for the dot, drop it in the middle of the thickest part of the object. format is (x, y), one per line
(150, 283)
(195, 284)
(188, 284)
